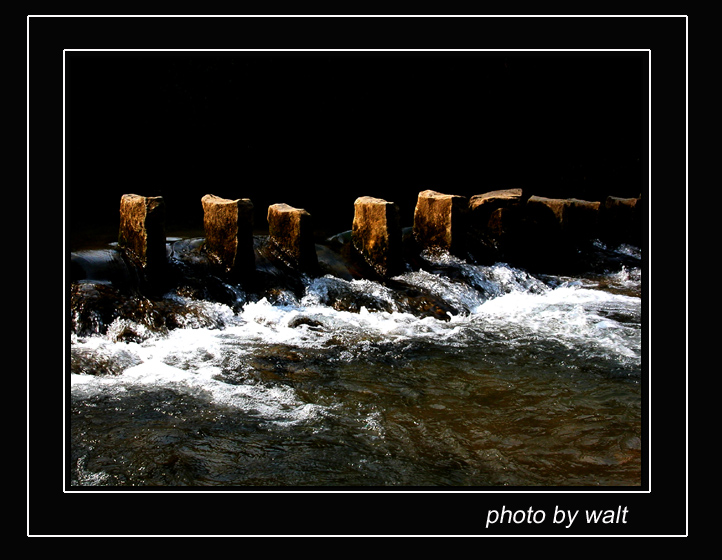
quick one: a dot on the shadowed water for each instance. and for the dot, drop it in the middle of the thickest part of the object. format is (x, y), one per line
(531, 381)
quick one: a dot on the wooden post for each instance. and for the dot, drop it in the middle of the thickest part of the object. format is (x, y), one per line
(142, 230)
(228, 227)
(439, 221)
(376, 234)
(291, 233)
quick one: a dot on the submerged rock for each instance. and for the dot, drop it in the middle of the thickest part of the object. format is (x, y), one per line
(99, 308)
(109, 266)
(422, 303)
(84, 361)
(307, 321)
(94, 306)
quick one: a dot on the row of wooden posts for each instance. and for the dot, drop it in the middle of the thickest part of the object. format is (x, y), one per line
(440, 221)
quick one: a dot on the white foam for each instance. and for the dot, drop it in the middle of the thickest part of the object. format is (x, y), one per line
(520, 308)
(458, 294)
(322, 292)
(630, 278)
(478, 283)
(572, 315)
(189, 360)
(277, 404)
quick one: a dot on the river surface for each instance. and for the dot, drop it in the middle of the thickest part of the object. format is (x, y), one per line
(532, 381)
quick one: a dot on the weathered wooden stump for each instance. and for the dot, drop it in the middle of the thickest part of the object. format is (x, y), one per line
(142, 230)
(494, 220)
(483, 206)
(440, 221)
(376, 234)
(291, 233)
(572, 220)
(582, 220)
(621, 220)
(228, 226)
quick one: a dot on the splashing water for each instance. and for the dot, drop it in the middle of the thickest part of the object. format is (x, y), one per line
(529, 381)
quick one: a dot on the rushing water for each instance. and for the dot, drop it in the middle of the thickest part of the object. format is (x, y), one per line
(532, 380)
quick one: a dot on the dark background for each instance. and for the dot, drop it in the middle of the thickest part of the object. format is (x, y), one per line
(55, 182)
(318, 129)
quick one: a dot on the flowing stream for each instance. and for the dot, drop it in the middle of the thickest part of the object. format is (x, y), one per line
(528, 380)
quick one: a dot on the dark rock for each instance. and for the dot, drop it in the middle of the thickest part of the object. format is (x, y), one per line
(274, 274)
(331, 261)
(93, 306)
(106, 266)
(301, 320)
(101, 309)
(421, 303)
(84, 361)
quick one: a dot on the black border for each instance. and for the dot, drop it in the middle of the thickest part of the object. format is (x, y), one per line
(663, 511)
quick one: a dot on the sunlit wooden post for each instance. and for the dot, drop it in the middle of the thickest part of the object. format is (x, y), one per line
(440, 221)
(142, 230)
(290, 231)
(228, 228)
(376, 234)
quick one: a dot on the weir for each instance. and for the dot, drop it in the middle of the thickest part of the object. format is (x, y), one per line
(376, 267)
(486, 226)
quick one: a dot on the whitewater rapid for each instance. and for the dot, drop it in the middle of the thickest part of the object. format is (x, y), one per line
(505, 315)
